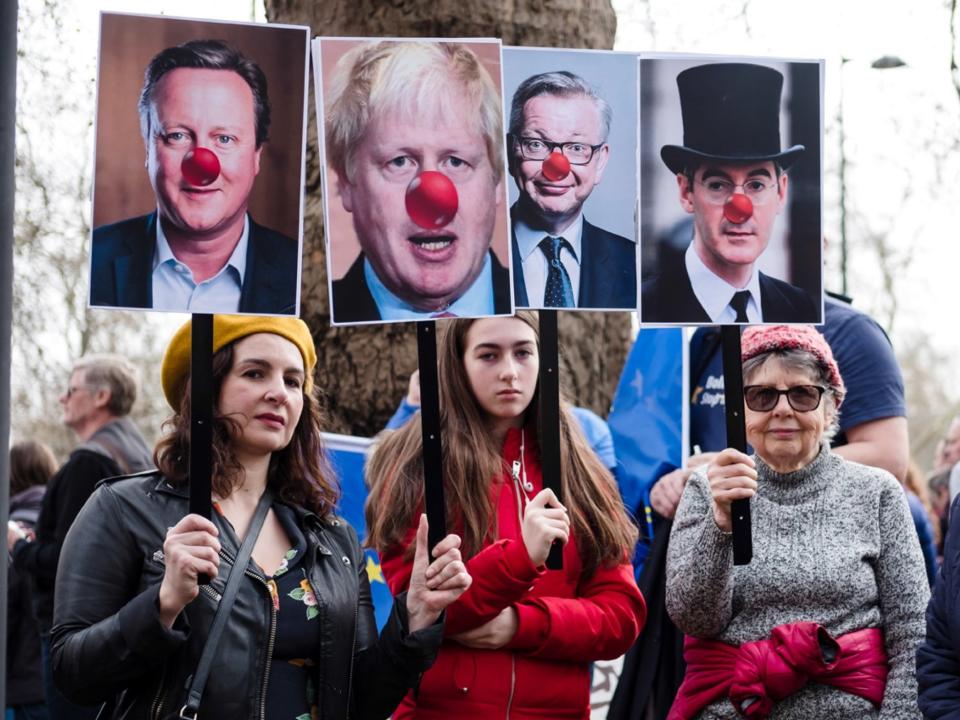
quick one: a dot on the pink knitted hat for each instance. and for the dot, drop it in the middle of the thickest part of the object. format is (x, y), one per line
(759, 339)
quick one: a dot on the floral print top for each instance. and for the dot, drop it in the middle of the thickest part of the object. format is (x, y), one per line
(292, 686)
(292, 681)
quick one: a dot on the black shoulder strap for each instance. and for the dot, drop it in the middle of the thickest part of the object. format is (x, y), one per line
(113, 451)
(199, 678)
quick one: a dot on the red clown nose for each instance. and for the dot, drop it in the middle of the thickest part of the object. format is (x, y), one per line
(200, 167)
(432, 200)
(738, 208)
(556, 167)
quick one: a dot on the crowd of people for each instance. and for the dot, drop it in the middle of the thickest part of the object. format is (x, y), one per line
(110, 614)
(124, 604)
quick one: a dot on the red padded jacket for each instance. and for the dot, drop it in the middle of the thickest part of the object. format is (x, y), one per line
(565, 622)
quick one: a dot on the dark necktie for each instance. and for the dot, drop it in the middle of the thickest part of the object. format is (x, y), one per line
(558, 291)
(739, 303)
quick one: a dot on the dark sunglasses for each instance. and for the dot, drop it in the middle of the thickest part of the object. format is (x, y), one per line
(764, 398)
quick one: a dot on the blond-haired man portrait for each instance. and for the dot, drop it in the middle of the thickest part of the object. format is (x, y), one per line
(394, 111)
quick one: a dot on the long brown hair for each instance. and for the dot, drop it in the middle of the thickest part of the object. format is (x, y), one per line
(472, 460)
(299, 473)
(31, 463)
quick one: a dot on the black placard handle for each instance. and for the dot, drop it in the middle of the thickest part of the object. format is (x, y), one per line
(430, 428)
(736, 438)
(550, 417)
(201, 412)
(201, 416)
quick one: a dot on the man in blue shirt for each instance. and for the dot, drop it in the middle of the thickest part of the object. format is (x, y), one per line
(873, 422)
(199, 251)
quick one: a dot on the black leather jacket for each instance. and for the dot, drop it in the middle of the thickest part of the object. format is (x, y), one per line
(110, 646)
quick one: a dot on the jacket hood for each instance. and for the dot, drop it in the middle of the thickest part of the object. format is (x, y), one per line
(25, 506)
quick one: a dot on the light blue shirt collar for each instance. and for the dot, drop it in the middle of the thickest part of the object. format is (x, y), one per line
(175, 289)
(528, 239)
(477, 301)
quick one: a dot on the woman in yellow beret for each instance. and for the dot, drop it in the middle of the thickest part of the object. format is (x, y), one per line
(299, 640)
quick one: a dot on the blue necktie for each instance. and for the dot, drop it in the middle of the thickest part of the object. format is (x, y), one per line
(558, 291)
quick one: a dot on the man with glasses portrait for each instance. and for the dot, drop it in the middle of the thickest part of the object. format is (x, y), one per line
(731, 174)
(558, 151)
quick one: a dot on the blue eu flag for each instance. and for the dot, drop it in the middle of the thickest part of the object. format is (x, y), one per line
(346, 456)
(648, 423)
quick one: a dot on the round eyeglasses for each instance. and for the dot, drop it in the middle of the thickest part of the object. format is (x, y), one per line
(577, 153)
(764, 398)
(718, 191)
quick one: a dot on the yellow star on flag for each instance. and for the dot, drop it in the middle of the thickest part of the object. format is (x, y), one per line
(374, 573)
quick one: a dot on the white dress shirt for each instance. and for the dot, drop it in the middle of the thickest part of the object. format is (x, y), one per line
(535, 264)
(715, 293)
(175, 289)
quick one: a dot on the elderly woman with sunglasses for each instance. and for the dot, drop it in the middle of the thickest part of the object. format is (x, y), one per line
(825, 620)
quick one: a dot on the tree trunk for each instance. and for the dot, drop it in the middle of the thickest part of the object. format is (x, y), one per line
(364, 371)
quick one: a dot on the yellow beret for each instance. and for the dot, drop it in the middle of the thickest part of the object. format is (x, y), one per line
(227, 329)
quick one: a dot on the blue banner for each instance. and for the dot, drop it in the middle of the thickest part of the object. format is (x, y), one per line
(648, 421)
(347, 456)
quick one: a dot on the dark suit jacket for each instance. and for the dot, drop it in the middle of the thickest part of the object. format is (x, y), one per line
(669, 298)
(122, 267)
(353, 302)
(608, 271)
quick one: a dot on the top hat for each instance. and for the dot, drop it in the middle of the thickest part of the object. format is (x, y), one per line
(731, 113)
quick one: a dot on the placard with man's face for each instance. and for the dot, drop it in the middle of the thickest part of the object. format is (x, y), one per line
(414, 177)
(198, 187)
(572, 157)
(730, 214)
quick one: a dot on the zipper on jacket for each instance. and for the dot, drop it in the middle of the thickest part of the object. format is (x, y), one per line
(157, 705)
(513, 682)
(210, 592)
(273, 631)
(353, 652)
(321, 667)
(270, 644)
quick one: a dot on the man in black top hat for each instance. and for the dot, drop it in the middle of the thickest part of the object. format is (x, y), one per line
(731, 173)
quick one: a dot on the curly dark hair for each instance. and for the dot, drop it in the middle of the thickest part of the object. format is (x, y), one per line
(299, 474)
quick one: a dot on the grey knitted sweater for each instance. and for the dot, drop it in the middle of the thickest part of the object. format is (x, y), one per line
(833, 543)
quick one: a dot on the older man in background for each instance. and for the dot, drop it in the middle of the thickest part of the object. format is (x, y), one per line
(100, 393)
